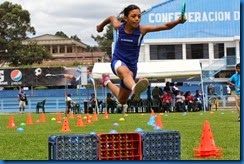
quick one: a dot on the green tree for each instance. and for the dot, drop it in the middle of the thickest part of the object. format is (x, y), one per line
(105, 41)
(61, 33)
(14, 27)
(75, 37)
(32, 53)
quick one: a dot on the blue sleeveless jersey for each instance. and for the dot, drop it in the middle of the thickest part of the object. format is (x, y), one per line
(127, 46)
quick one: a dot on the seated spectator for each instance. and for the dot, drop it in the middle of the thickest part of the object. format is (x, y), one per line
(111, 103)
(189, 101)
(167, 87)
(198, 101)
(122, 108)
(180, 102)
(156, 94)
(93, 103)
(175, 89)
(167, 101)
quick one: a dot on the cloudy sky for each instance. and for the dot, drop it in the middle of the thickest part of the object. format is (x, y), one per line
(75, 17)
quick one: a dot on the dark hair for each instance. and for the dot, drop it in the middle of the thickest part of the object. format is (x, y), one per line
(238, 65)
(126, 11)
(68, 95)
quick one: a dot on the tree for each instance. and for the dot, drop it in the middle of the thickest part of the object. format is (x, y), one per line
(75, 37)
(14, 28)
(61, 33)
(105, 42)
(32, 53)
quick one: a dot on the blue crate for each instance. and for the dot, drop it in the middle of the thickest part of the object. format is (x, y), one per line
(73, 147)
(161, 145)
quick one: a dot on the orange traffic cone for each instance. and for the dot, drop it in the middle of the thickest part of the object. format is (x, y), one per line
(42, 118)
(94, 117)
(207, 146)
(88, 119)
(79, 121)
(105, 115)
(65, 126)
(159, 121)
(59, 116)
(152, 112)
(29, 119)
(71, 114)
(11, 123)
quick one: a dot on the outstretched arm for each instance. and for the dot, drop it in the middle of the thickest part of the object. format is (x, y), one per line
(231, 83)
(167, 26)
(112, 19)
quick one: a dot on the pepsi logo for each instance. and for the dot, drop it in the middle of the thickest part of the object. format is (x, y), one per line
(16, 75)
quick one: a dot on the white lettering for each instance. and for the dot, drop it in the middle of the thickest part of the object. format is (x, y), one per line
(127, 40)
(171, 17)
(204, 17)
(164, 18)
(3, 83)
(227, 16)
(236, 15)
(16, 83)
(211, 16)
(151, 18)
(190, 17)
(158, 17)
(197, 17)
(194, 16)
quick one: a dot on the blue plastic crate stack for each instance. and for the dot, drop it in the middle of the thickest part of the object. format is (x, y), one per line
(73, 147)
(161, 145)
(154, 145)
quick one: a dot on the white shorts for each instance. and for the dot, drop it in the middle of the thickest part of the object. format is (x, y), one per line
(22, 104)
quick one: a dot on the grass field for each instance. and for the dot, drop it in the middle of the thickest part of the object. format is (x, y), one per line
(32, 143)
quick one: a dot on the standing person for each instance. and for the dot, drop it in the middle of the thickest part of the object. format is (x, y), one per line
(234, 81)
(149, 97)
(126, 53)
(69, 104)
(22, 98)
(210, 89)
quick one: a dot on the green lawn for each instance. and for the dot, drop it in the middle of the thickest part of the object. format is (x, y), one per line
(32, 143)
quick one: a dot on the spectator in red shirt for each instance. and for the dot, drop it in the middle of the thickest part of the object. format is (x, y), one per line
(167, 101)
(189, 101)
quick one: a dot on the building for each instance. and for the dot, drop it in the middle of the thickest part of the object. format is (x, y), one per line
(211, 35)
(66, 50)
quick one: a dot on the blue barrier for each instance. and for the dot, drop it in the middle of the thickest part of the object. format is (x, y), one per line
(53, 104)
(55, 98)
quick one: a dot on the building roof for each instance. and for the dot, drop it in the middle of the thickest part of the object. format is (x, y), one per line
(48, 39)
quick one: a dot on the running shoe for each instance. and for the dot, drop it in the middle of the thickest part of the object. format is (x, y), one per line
(140, 87)
(105, 78)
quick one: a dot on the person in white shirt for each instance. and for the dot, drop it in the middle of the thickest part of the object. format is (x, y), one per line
(228, 90)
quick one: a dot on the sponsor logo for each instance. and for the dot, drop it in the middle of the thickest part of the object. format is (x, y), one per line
(16, 75)
(1, 75)
(2, 82)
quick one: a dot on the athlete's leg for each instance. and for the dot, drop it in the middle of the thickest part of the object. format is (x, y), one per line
(122, 93)
(127, 83)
